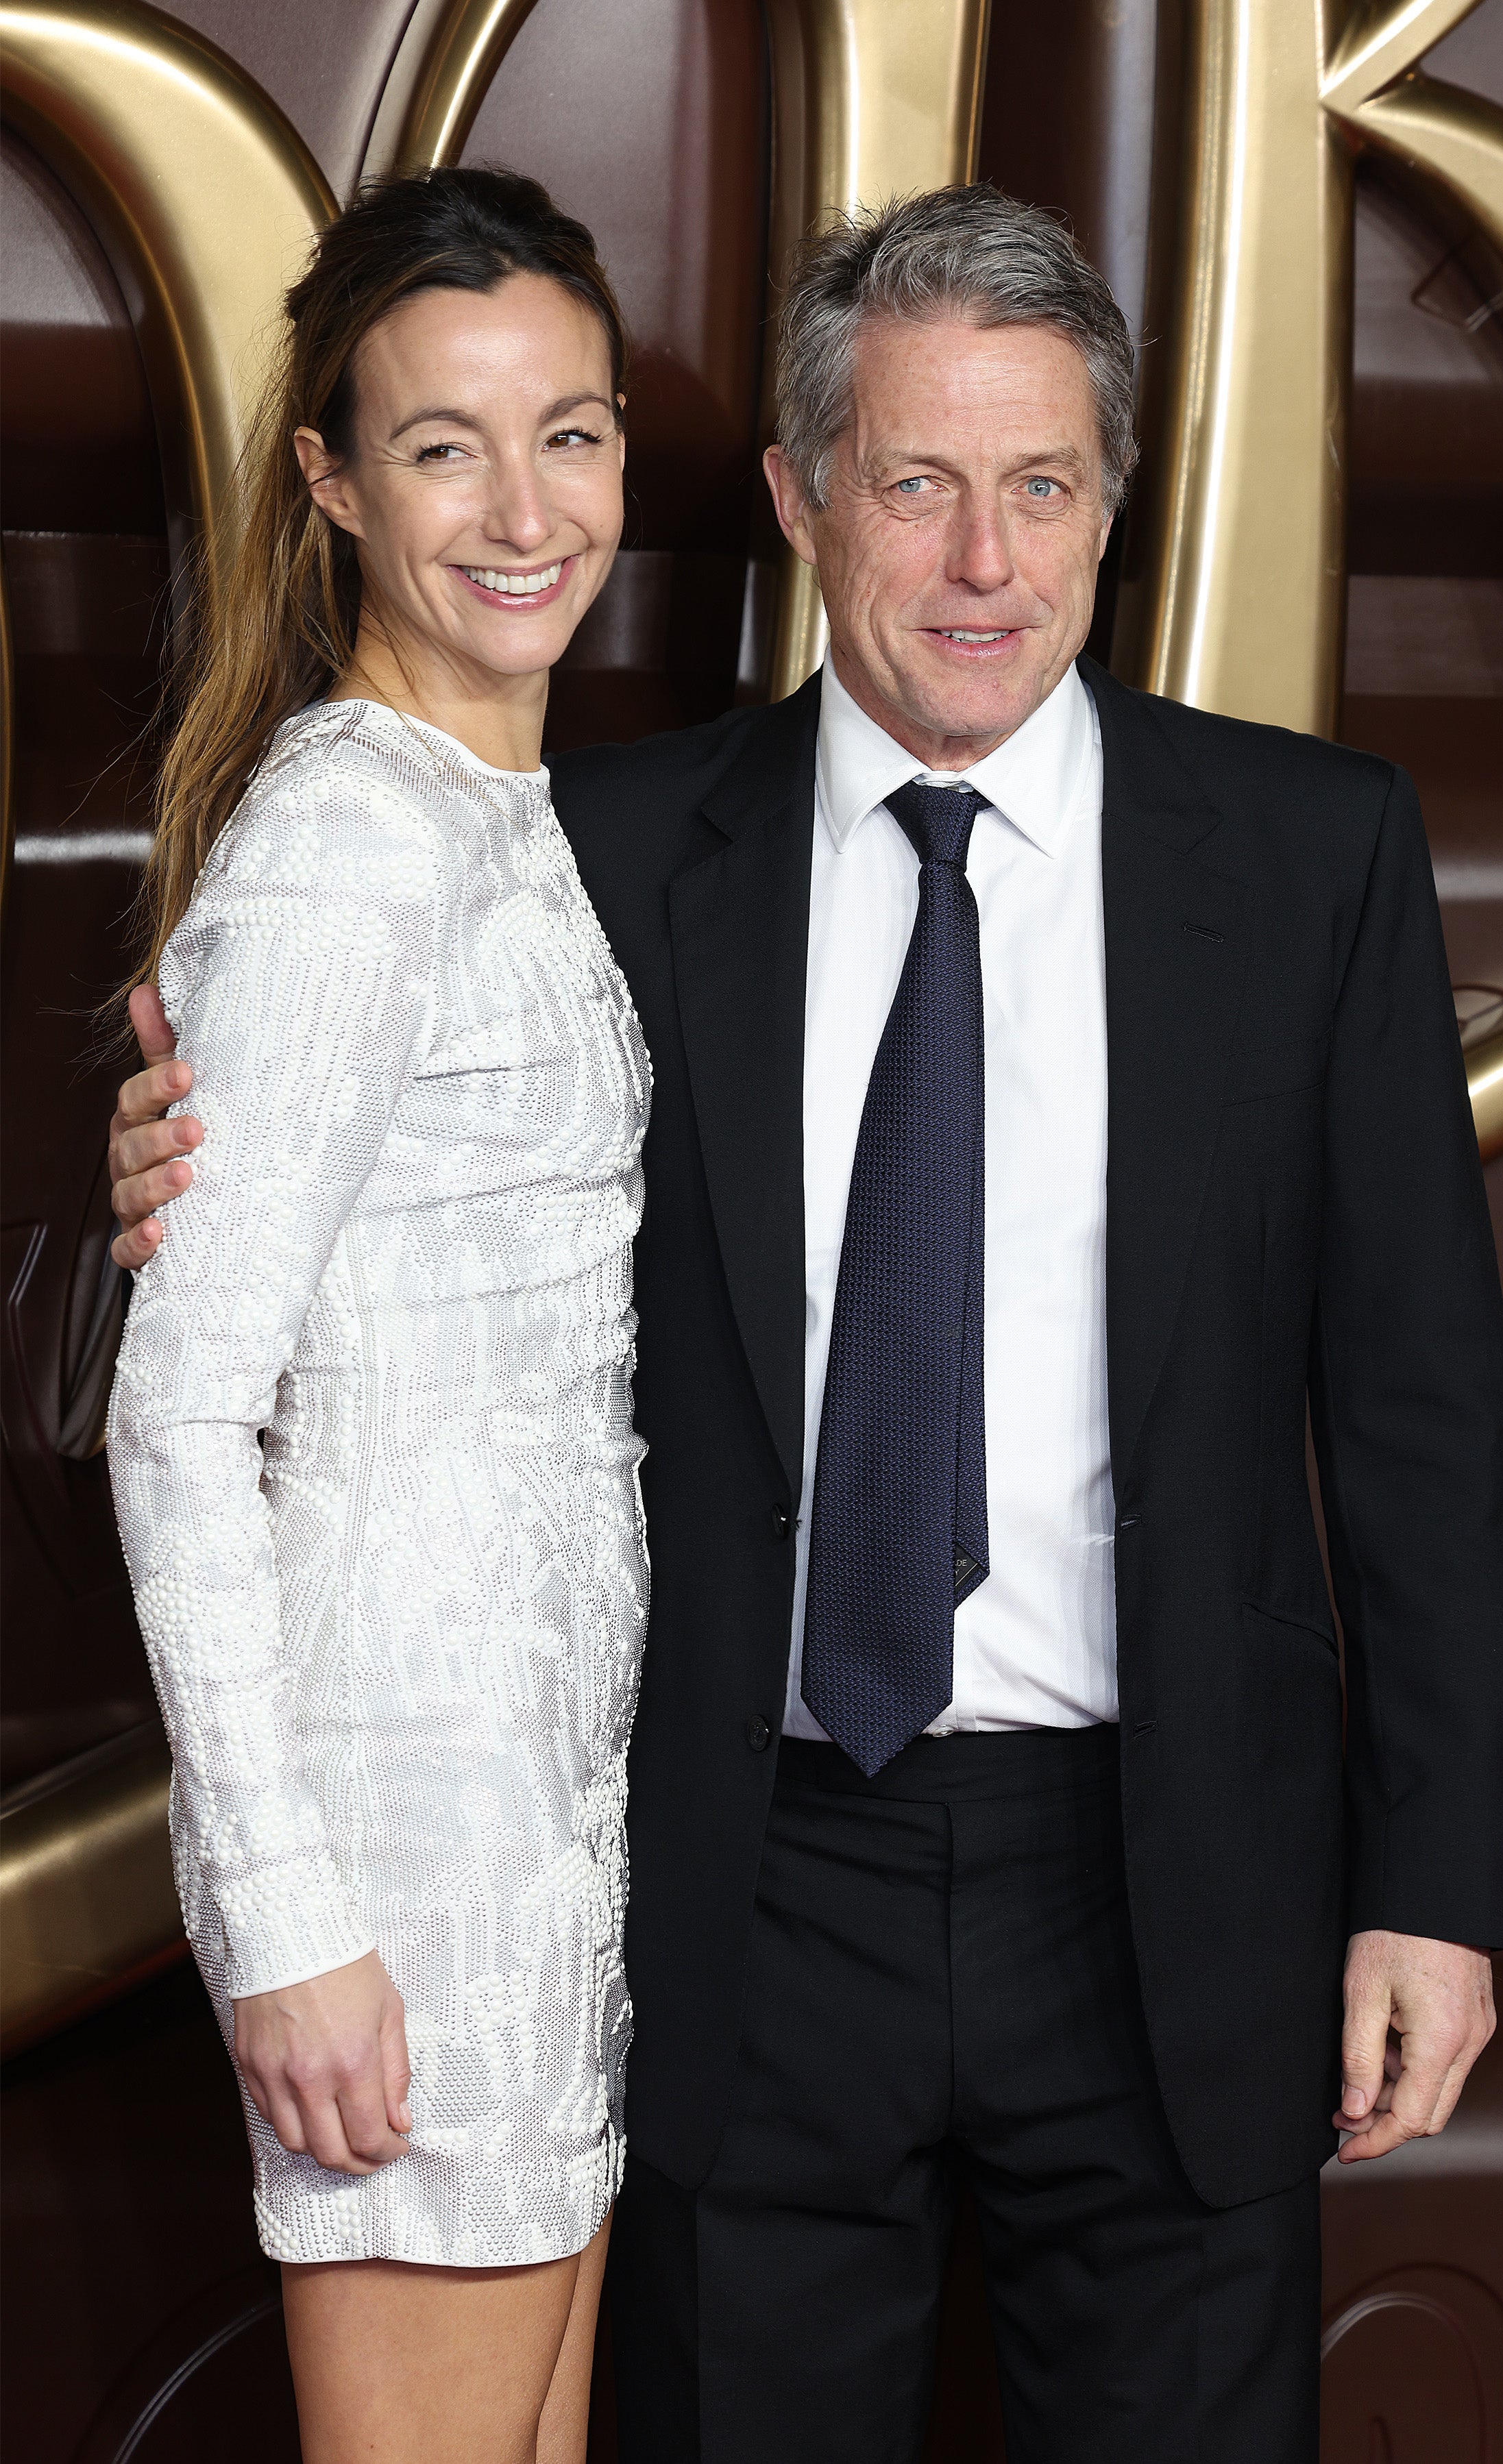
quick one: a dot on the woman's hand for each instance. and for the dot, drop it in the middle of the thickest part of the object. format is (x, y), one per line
(326, 2063)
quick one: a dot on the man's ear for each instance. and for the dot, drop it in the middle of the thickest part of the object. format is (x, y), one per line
(326, 477)
(790, 503)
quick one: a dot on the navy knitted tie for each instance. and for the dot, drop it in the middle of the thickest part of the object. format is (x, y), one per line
(898, 1532)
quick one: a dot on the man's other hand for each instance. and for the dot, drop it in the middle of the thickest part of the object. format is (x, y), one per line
(148, 1155)
(1417, 2013)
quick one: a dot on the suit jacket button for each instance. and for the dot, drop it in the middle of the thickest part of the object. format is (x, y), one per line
(758, 1735)
(782, 1523)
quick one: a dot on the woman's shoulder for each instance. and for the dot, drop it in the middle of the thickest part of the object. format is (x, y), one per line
(341, 810)
(335, 851)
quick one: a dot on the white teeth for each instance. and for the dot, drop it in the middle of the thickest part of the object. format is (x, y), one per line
(952, 636)
(514, 585)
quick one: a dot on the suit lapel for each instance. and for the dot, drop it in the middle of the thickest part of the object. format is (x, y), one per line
(1176, 954)
(740, 926)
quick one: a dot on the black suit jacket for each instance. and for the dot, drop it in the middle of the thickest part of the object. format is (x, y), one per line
(1293, 1206)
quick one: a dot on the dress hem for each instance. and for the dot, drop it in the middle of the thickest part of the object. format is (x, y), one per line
(533, 2257)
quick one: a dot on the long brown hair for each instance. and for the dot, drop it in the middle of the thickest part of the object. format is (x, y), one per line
(284, 629)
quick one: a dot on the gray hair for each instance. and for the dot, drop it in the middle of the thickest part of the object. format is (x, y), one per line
(968, 252)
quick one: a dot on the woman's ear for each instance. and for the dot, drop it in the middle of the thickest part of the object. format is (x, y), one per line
(326, 477)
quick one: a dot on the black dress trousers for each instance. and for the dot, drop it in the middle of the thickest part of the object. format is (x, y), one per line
(941, 1987)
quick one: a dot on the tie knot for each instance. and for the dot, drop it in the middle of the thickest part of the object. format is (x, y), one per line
(936, 819)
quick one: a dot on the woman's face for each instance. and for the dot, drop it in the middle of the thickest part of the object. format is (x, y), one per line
(484, 483)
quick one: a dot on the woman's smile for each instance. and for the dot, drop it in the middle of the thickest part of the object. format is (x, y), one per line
(522, 591)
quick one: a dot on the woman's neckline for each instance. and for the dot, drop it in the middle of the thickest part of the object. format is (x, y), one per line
(409, 718)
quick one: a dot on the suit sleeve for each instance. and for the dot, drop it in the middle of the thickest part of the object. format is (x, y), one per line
(299, 986)
(1406, 1395)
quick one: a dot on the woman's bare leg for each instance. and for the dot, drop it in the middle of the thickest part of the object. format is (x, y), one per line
(564, 2428)
(399, 2364)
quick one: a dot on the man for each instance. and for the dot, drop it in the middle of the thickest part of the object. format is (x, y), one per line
(1051, 1086)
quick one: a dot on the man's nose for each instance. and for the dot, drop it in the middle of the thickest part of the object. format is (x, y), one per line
(980, 552)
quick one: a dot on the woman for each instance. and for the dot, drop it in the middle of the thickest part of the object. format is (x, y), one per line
(397, 1653)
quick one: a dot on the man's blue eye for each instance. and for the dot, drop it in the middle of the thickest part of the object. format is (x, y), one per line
(910, 483)
(1036, 486)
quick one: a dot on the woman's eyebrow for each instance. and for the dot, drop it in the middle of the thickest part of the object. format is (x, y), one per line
(574, 401)
(457, 418)
(466, 419)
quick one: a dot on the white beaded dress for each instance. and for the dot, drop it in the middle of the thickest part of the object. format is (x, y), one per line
(397, 1651)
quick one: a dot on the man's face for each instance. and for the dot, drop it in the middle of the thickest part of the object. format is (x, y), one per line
(958, 554)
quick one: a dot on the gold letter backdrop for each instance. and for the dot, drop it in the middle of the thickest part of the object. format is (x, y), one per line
(1242, 603)
(206, 198)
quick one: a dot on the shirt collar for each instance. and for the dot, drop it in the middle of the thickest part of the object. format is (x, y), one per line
(1034, 778)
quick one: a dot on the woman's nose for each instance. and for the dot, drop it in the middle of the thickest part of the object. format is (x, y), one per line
(518, 514)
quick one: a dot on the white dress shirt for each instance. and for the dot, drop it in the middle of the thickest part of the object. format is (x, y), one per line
(1036, 1644)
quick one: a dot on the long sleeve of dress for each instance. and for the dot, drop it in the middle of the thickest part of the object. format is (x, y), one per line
(300, 987)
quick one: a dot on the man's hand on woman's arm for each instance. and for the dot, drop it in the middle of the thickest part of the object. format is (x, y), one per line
(1417, 2013)
(148, 1153)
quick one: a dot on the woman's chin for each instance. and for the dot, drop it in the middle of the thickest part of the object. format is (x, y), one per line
(518, 641)
(526, 659)
(531, 652)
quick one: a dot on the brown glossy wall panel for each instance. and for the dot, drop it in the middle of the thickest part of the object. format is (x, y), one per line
(78, 442)
(86, 575)
(1068, 123)
(127, 2211)
(1425, 544)
(1426, 489)
(73, 1671)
